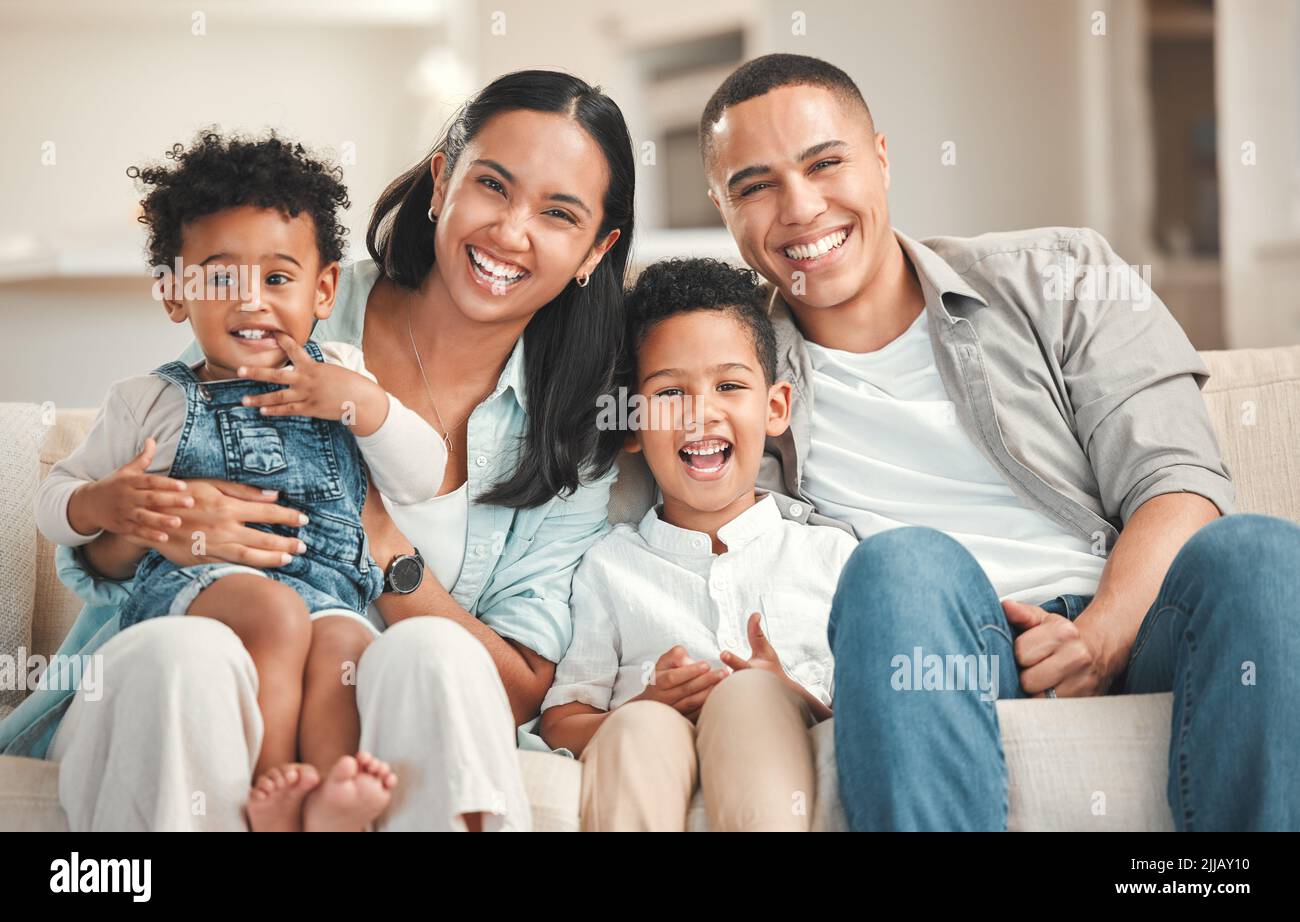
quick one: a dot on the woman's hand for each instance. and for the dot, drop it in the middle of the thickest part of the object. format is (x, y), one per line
(216, 527)
(320, 390)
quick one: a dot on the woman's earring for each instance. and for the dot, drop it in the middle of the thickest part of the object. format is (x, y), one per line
(433, 218)
(582, 280)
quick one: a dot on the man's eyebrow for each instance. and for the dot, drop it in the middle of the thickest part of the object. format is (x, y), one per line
(557, 197)
(669, 372)
(741, 175)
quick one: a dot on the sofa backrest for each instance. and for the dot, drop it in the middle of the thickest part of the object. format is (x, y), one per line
(1253, 397)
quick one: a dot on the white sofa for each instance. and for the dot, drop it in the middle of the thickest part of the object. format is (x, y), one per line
(1087, 764)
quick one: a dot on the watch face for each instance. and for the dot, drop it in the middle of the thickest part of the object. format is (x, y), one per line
(405, 575)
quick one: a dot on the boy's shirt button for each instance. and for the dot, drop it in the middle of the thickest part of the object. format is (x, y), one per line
(481, 460)
(796, 510)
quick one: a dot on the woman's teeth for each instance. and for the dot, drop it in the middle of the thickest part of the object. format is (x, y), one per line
(818, 248)
(494, 272)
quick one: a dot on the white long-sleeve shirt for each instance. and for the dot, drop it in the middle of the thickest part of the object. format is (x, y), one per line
(405, 455)
(640, 591)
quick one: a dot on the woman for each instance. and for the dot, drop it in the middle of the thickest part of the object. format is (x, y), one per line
(493, 306)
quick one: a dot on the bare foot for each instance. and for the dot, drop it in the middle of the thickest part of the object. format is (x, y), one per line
(353, 794)
(275, 800)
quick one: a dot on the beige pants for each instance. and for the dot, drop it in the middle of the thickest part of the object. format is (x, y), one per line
(751, 753)
(172, 742)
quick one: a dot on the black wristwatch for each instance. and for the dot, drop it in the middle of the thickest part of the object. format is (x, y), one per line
(405, 573)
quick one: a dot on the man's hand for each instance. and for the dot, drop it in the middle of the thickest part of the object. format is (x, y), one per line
(219, 516)
(129, 501)
(320, 390)
(682, 683)
(1054, 652)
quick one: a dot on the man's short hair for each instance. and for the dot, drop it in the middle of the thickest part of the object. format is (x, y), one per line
(770, 72)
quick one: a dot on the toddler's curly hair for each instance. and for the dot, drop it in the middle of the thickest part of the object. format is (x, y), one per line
(217, 172)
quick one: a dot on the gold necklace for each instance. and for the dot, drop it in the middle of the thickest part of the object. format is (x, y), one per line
(446, 433)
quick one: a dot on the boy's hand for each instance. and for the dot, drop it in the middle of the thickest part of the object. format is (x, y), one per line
(763, 656)
(318, 389)
(129, 501)
(681, 683)
(762, 653)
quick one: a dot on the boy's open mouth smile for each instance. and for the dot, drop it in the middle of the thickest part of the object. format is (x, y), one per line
(705, 459)
(496, 275)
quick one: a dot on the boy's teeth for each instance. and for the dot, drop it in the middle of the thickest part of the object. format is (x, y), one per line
(818, 247)
(251, 334)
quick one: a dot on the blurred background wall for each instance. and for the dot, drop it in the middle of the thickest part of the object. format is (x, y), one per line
(1172, 126)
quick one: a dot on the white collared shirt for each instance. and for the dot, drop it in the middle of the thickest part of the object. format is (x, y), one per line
(640, 591)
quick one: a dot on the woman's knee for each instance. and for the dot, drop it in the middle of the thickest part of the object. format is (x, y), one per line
(198, 652)
(429, 645)
(747, 688)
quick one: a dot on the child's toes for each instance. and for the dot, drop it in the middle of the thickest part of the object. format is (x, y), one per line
(345, 769)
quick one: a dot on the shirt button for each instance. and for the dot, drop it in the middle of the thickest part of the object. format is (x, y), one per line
(796, 510)
(481, 460)
(701, 543)
(479, 550)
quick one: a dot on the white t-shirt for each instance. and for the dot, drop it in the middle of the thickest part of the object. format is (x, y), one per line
(436, 526)
(888, 451)
(405, 456)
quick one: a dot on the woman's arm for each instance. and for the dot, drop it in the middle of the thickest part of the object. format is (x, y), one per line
(525, 675)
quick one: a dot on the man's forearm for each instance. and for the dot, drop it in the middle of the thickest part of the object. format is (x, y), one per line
(1137, 566)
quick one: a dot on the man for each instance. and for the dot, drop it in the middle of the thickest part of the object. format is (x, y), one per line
(1031, 469)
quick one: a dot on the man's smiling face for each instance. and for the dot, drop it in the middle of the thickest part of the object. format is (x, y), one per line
(801, 179)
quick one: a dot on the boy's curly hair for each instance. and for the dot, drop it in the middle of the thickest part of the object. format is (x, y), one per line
(216, 173)
(680, 286)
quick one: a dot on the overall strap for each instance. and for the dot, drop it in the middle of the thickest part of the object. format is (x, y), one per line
(178, 373)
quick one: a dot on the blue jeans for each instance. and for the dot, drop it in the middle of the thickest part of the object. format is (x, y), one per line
(1223, 636)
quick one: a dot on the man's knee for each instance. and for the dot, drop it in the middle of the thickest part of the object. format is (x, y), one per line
(1243, 546)
(892, 571)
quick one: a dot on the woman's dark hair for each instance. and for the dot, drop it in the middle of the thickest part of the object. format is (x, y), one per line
(570, 345)
(217, 172)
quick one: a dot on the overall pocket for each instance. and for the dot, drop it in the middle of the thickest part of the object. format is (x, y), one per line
(292, 454)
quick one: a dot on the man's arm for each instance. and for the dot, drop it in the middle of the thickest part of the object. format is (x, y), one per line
(1084, 656)
(1135, 570)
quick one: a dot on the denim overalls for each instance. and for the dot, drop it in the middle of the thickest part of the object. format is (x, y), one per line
(315, 465)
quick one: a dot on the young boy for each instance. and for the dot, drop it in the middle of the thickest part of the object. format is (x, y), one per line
(249, 233)
(699, 636)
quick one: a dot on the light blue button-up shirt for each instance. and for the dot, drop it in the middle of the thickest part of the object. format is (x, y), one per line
(518, 565)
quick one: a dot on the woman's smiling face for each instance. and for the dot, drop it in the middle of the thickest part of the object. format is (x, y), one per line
(519, 214)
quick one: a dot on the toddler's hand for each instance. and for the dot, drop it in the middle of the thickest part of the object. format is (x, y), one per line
(129, 501)
(681, 683)
(320, 390)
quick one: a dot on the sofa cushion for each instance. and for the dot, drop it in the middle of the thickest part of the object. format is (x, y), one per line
(19, 473)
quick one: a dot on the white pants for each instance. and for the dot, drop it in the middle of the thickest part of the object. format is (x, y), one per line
(172, 741)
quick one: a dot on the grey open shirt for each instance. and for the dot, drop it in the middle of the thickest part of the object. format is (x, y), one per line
(1087, 401)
